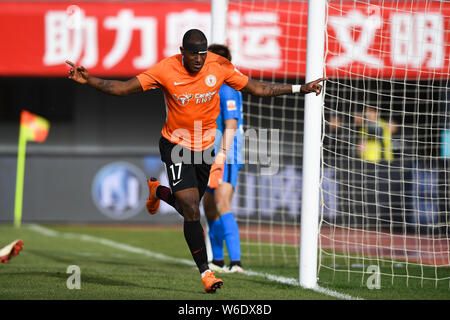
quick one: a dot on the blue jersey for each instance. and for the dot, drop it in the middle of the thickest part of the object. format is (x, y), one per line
(230, 108)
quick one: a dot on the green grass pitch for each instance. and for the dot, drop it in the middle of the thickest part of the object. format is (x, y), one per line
(154, 264)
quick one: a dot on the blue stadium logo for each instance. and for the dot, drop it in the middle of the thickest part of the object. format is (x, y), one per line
(118, 190)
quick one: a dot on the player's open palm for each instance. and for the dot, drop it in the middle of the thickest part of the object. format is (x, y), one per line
(77, 73)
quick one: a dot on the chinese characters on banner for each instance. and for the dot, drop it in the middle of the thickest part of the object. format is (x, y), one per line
(381, 40)
(72, 35)
(123, 39)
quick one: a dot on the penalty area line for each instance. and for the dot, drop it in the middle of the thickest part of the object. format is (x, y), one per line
(125, 247)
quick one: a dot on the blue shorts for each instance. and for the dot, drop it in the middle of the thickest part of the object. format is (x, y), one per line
(230, 175)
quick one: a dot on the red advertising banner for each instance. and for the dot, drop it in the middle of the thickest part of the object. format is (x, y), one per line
(387, 39)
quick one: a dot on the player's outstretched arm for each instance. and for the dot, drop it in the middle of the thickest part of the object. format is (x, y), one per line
(266, 89)
(114, 87)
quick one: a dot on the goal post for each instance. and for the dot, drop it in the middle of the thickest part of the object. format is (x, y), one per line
(312, 145)
(219, 10)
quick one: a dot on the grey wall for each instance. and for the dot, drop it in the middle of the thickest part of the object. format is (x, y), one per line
(61, 189)
(80, 115)
(89, 130)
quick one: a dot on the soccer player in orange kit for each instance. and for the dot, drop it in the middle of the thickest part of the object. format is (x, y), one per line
(190, 82)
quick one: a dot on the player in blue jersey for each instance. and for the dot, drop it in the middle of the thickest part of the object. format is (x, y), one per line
(219, 193)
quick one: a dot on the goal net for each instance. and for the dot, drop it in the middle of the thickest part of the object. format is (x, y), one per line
(385, 138)
(267, 41)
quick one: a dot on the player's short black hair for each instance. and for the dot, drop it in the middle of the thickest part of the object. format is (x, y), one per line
(221, 50)
(194, 36)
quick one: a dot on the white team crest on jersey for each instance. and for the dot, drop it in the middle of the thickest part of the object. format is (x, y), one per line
(211, 80)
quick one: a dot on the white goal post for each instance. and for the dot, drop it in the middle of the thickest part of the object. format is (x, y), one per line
(315, 63)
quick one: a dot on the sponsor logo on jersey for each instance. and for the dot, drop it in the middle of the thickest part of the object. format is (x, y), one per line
(231, 105)
(199, 97)
(183, 99)
(204, 97)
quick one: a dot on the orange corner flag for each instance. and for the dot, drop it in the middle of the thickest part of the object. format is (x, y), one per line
(34, 127)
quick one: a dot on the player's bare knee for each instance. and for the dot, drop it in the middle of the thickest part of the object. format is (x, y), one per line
(191, 211)
(223, 206)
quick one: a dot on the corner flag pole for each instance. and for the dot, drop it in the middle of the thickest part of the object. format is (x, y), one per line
(20, 176)
(32, 128)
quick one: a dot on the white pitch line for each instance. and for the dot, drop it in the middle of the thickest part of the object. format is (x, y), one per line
(335, 294)
(294, 282)
(108, 243)
(121, 246)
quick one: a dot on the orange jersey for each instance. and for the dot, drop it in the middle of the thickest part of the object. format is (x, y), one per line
(192, 100)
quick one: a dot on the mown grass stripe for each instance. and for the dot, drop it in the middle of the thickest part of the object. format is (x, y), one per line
(121, 246)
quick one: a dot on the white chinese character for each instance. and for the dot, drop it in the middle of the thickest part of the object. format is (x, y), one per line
(68, 35)
(416, 38)
(178, 23)
(125, 23)
(254, 40)
(355, 51)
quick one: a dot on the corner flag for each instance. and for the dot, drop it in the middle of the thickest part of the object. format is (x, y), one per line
(32, 128)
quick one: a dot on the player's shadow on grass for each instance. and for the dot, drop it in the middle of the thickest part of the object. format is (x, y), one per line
(100, 280)
(69, 258)
(85, 278)
(55, 256)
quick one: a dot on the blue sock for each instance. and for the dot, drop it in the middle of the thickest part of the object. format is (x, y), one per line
(231, 235)
(216, 238)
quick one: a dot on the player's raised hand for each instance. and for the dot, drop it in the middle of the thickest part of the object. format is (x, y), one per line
(216, 172)
(77, 73)
(313, 86)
